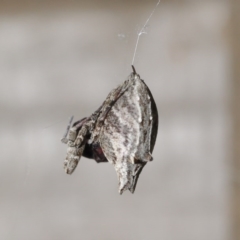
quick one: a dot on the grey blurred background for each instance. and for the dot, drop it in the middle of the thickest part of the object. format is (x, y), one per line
(61, 58)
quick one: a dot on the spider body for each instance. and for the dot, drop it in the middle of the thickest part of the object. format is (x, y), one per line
(122, 131)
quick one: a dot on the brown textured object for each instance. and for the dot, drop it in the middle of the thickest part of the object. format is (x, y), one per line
(122, 131)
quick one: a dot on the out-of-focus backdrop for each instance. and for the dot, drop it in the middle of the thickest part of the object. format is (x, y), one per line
(61, 58)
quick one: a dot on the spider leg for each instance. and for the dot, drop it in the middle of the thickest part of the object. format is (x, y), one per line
(81, 136)
(64, 139)
(77, 138)
(112, 97)
(100, 115)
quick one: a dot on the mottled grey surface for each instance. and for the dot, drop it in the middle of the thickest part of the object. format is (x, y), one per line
(55, 64)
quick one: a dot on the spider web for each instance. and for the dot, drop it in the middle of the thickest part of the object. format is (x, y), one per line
(143, 31)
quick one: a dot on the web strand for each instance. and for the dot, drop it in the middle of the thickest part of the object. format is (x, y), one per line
(142, 31)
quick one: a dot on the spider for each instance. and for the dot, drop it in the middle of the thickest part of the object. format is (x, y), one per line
(122, 131)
